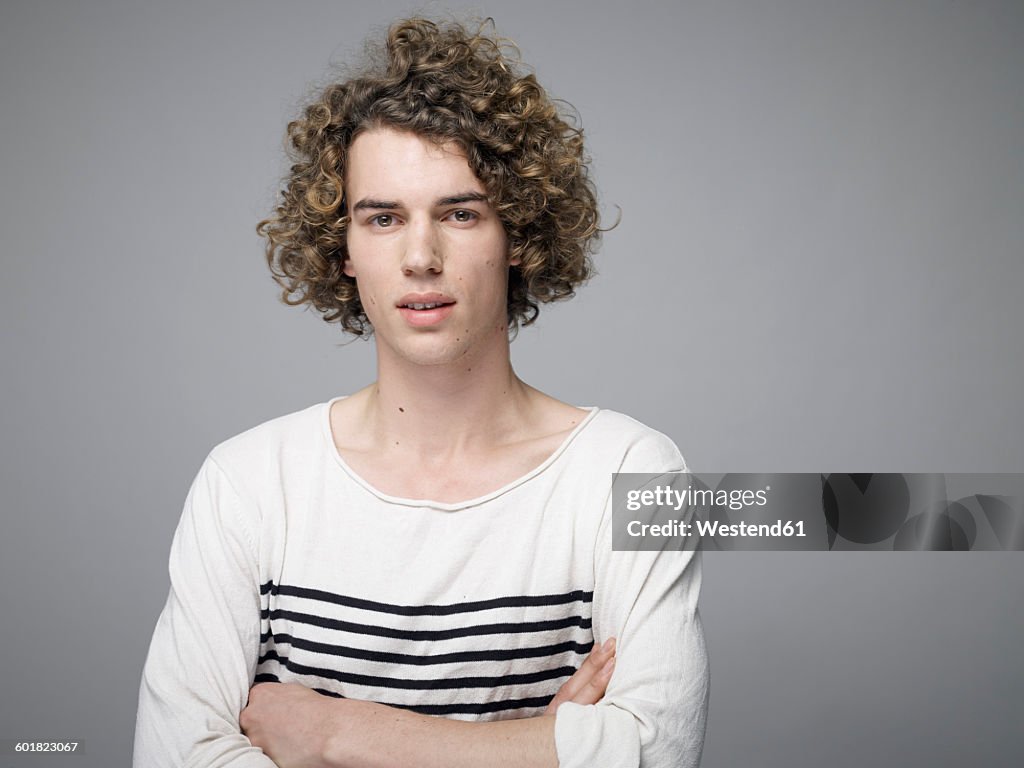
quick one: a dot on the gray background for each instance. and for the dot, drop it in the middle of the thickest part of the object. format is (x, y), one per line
(819, 267)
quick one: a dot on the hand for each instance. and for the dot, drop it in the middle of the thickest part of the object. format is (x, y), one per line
(289, 722)
(589, 682)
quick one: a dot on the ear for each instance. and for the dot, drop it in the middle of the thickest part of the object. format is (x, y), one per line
(347, 267)
(345, 221)
(514, 261)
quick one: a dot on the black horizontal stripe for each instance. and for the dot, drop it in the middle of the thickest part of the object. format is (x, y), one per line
(429, 684)
(479, 708)
(428, 634)
(491, 654)
(514, 601)
(268, 678)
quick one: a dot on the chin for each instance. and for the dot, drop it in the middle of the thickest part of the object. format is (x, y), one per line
(433, 352)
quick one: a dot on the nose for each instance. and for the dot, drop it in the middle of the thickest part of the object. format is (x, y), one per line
(422, 253)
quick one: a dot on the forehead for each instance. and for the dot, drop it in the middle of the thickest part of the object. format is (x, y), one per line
(392, 164)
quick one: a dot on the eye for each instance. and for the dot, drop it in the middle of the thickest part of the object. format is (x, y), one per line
(383, 220)
(463, 216)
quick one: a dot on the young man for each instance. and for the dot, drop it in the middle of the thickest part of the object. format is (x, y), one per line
(421, 573)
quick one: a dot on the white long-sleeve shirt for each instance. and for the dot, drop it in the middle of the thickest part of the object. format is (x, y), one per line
(288, 566)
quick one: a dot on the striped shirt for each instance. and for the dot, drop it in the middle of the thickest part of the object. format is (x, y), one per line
(287, 566)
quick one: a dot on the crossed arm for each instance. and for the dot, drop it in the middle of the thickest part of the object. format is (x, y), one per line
(297, 727)
(195, 699)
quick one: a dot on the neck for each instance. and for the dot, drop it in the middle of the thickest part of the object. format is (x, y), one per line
(459, 405)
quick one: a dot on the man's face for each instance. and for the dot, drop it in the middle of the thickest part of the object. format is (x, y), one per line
(428, 252)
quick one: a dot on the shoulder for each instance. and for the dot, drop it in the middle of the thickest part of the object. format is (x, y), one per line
(631, 444)
(261, 452)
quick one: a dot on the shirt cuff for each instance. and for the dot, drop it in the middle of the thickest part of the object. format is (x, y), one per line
(596, 734)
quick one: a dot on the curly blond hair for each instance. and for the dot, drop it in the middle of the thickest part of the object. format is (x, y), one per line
(447, 84)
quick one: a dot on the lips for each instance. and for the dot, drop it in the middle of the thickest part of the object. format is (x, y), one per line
(421, 301)
(425, 309)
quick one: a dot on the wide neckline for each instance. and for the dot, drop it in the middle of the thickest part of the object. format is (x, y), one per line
(328, 435)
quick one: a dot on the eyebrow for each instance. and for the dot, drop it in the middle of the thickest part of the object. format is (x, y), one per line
(368, 203)
(465, 197)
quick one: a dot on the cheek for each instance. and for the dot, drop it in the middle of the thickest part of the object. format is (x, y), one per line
(367, 283)
(367, 296)
(358, 265)
(492, 291)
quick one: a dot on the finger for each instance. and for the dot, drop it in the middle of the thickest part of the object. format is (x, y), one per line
(596, 687)
(595, 660)
(588, 673)
(591, 667)
(586, 686)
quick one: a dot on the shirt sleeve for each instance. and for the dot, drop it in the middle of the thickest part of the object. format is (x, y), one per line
(654, 711)
(203, 654)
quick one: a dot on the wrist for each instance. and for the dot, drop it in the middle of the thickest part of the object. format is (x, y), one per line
(338, 749)
(361, 732)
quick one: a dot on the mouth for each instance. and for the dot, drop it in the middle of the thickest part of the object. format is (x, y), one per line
(425, 305)
(425, 309)
(424, 301)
